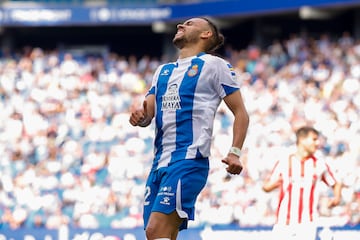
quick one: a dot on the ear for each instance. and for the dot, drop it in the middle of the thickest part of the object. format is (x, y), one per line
(206, 34)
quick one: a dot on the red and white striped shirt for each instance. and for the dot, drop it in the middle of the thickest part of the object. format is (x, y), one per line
(298, 196)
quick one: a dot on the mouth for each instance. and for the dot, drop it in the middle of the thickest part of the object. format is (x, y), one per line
(179, 32)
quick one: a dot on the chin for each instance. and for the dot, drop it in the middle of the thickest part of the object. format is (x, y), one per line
(178, 42)
(176, 38)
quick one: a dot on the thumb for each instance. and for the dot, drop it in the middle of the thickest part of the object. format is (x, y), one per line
(145, 106)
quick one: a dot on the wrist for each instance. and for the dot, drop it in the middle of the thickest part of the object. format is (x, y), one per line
(236, 151)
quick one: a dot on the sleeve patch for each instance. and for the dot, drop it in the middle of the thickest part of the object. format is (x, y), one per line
(232, 70)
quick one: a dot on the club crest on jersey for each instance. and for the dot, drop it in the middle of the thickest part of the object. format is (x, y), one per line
(171, 99)
(193, 70)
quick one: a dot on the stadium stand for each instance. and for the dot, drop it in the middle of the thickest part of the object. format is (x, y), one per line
(69, 157)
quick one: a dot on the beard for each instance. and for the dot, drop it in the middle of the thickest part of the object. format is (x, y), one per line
(183, 40)
(179, 42)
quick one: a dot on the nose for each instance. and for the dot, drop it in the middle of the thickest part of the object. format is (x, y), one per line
(180, 25)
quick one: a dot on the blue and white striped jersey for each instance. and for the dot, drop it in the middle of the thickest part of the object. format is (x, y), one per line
(188, 93)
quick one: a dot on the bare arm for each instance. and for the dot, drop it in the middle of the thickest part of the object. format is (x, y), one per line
(236, 105)
(142, 117)
(241, 122)
(268, 185)
(274, 180)
(337, 195)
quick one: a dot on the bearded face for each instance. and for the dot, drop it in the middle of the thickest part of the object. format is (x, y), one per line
(179, 40)
(187, 33)
(182, 39)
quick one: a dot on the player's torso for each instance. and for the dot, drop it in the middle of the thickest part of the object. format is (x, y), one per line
(299, 189)
(186, 102)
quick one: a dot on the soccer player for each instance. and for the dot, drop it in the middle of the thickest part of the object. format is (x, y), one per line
(183, 100)
(297, 176)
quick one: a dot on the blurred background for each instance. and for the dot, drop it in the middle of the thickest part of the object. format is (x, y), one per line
(72, 167)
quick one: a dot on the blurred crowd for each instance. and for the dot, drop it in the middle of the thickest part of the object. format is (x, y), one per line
(68, 155)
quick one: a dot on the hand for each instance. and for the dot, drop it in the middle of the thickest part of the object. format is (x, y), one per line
(139, 116)
(233, 163)
(333, 202)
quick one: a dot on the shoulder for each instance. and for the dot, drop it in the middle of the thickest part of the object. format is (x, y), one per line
(219, 65)
(164, 67)
(286, 158)
(169, 64)
(214, 59)
(320, 159)
(321, 162)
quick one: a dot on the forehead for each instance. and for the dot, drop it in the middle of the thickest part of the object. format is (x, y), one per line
(311, 135)
(197, 21)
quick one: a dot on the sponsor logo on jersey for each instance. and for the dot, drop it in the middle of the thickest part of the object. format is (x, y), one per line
(171, 99)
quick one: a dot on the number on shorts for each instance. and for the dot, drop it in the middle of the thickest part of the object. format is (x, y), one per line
(147, 194)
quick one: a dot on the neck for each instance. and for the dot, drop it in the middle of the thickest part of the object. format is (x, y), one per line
(302, 154)
(189, 51)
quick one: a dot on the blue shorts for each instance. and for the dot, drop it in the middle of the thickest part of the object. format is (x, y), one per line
(175, 187)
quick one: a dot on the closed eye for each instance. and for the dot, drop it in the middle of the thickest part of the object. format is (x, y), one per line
(188, 23)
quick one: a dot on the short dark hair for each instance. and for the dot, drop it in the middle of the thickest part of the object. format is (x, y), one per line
(218, 38)
(304, 132)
